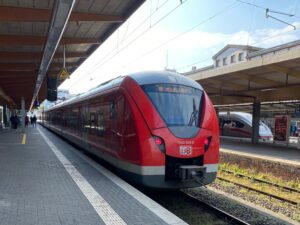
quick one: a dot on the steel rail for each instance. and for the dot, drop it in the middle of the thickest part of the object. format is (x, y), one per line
(262, 181)
(219, 212)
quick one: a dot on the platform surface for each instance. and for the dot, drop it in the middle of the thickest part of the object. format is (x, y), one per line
(44, 180)
(267, 152)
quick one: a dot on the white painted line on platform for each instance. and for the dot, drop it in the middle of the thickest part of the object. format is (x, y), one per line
(153, 206)
(261, 157)
(103, 209)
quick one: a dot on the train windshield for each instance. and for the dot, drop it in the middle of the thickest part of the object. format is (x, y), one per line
(177, 104)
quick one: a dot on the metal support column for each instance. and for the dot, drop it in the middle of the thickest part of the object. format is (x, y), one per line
(23, 113)
(255, 122)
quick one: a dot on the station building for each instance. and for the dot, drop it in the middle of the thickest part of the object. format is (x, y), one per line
(263, 82)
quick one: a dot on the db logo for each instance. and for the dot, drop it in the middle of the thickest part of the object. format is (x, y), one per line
(185, 150)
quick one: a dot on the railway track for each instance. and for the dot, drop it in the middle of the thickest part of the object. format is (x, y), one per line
(220, 213)
(179, 203)
(290, 201)
(262, 181)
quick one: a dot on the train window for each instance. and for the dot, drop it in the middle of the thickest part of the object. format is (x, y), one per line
(233, 123)
(227, 123)
(86, 119)
(112, 110)
(75, 114)
(238, 124)
(178, 105)
(92, 123)
(100, 130)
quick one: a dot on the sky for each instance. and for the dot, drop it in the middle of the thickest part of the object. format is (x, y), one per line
(180, 34)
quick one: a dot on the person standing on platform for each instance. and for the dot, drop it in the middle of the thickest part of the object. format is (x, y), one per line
(34, 121)
(26, 120)
(17, 121)
(31, 120)
(12, 121)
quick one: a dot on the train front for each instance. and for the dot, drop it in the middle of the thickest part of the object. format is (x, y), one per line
(182, 126)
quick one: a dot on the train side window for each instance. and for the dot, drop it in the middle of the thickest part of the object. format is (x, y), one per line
(86, 119)
(238, 124)
(227, 123)
(92, 123)
(101, 128)
(112, 110)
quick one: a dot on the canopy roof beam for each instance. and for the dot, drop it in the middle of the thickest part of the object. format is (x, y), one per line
(20, 14)
(61, 13)
(284, 70)
(40, 40)
(13, 56)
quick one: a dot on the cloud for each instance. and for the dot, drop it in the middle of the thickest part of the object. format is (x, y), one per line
(272, 37)
(148, 51)
(261, 38)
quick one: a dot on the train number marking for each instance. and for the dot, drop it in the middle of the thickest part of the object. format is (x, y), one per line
(185, 150)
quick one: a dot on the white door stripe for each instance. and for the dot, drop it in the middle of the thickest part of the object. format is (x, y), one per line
(103, 209)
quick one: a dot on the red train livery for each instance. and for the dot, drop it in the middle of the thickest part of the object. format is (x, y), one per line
(159, 129)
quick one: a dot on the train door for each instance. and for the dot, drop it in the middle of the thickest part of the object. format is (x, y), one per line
(118, 127)
(79, 121)
(85, 122)
(92, 124)
(130, 142)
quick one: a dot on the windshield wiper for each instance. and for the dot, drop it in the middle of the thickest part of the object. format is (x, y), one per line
(194, 115)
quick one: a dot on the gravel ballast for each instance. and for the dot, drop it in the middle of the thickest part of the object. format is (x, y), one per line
(235, 205)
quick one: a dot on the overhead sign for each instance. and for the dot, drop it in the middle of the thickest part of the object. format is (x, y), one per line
(63, 74)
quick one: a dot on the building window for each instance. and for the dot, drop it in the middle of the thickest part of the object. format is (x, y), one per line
(217, 63)
(241, 56)
(224, 61)
(232, 59)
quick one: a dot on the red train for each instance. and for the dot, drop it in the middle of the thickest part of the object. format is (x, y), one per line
(158, 129)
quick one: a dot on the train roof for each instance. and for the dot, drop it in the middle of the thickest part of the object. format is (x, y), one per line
(142, 78)
(242, 115)
(155, 77)
(235, 113)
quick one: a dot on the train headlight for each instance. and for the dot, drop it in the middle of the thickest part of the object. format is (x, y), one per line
(160, 143)
(207, 142)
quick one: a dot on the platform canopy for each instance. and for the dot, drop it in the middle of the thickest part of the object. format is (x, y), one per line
(282, 107)
(266, 75)
(33, 34)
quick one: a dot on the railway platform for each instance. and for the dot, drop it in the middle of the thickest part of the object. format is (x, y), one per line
(44, 180)
(280, 161)
(270, 152)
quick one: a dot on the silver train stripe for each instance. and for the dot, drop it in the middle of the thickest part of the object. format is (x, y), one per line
(103, 209)
(211, 168)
